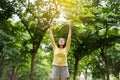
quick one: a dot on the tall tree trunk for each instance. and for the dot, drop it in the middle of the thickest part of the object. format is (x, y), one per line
(75, 69)
(16, 73)
(2, 57)
(33, 53)
(1, 63)
(32, 66)
(107, 70)
(12, 73)
(117, 70)
(105, 59)
(117, 77)
(85, 74)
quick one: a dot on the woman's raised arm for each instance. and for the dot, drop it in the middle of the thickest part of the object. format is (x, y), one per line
(69, 38)
(51, 36)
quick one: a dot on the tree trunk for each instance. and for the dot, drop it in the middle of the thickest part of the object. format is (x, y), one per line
(16, 73)
(2, 56)
(32, 66)
(1, 69)
(116, 68)
(107, 70)
(105, 59)
(86, 74)
(12, 73)
(75, 69)
(117, 77)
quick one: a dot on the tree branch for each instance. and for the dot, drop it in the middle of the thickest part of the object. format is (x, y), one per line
(25, 24)
(28, 9)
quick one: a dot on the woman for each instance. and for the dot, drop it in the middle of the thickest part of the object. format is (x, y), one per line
(60, 69)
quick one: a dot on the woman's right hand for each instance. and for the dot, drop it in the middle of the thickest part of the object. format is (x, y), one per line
(50, 24)
(69, 24)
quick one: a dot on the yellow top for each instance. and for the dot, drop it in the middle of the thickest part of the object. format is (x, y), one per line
(60, 54)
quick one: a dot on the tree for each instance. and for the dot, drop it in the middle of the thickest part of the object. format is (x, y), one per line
(113, 54)
(10, 48)
(6, 9)
(107, 20)
(35, 18)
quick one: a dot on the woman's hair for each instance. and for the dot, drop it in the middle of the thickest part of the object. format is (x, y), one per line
(63, 45)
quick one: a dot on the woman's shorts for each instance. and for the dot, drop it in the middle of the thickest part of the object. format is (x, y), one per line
(60, 72)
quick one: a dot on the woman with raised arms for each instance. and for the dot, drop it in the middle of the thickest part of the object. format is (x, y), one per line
(60, 65)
